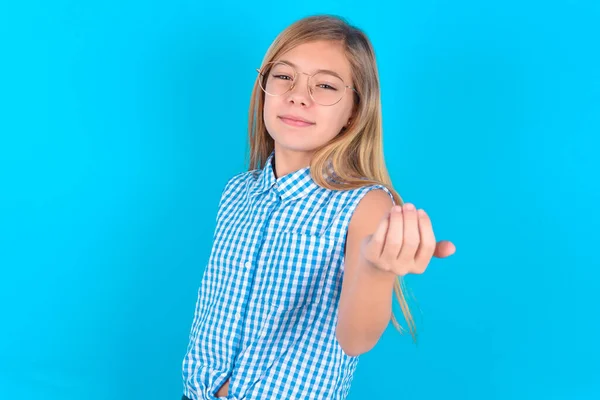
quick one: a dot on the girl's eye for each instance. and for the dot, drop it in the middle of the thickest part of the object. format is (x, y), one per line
(325, 86)
(282, 77)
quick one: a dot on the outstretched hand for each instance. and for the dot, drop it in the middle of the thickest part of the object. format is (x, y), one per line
(404, 242)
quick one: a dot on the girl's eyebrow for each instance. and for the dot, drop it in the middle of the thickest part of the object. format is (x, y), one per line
(319, 70)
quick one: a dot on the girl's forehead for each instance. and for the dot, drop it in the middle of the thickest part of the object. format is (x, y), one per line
(313, 56)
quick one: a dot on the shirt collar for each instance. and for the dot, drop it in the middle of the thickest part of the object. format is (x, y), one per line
(292, 186)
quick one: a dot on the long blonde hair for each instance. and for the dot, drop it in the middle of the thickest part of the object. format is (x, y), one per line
(356, 153)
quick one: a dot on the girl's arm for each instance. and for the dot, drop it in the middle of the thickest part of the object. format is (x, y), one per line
(365, 306)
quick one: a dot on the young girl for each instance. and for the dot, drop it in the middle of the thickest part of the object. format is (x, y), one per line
(308, 247)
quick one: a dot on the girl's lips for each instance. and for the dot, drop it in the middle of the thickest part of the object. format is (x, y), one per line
(295, 122)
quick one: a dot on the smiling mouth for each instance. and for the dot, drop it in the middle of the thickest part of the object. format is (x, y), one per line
(295, 122)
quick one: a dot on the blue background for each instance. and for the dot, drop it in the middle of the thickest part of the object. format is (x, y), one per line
(122, 121)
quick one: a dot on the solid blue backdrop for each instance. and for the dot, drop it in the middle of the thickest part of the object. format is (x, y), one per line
(122, 121)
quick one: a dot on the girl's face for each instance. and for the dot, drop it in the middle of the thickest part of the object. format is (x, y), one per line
(323, 123)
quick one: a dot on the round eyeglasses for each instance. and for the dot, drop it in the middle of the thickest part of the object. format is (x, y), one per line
(325, 87)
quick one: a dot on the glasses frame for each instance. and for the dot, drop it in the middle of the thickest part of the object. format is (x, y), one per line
(295, 80)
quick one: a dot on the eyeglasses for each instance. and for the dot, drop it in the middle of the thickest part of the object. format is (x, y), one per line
(325, 88)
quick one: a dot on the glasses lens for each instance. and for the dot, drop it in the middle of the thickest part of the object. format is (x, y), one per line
(277, 78)
(326, 89)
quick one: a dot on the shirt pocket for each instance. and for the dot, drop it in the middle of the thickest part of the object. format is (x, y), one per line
(297, 266)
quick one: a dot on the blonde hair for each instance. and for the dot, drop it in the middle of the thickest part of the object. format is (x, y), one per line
(356, 153)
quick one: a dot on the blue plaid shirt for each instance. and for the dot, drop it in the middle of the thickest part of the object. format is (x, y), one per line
(267, 303)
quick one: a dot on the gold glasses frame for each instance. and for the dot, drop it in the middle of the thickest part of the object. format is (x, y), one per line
(267, 67)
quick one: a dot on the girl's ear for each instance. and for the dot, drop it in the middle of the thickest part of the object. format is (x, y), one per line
(352, 113)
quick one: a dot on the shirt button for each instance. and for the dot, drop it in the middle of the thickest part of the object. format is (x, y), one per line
(248, 265)
(238, 316)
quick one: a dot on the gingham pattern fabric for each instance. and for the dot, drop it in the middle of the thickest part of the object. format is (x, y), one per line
(267, 304)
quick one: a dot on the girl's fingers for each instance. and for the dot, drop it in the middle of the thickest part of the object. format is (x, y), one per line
(410, 244)
(378, 239)
(428, 244)
(395, 234)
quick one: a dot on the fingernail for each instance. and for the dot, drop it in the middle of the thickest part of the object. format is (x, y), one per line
(409, 207)
(397, 208)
